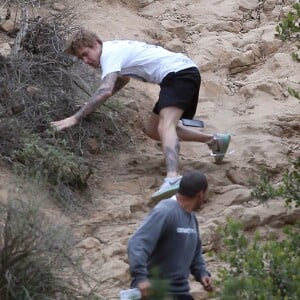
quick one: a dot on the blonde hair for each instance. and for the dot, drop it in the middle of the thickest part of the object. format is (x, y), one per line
(81, 38)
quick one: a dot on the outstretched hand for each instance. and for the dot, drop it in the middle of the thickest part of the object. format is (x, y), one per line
(65, 123)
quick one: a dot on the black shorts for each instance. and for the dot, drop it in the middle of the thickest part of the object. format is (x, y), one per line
(180, 89)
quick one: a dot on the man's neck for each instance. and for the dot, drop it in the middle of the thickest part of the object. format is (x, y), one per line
(185, 203)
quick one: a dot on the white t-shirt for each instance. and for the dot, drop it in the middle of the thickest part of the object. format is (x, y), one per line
(140, 60)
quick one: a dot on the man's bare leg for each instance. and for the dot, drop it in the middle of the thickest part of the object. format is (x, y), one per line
(184, 133)
(167, 124)
(169, 130)
(163, 128)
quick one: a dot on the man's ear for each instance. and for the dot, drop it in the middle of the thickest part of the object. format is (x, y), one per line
(97, 44)
(202, 195)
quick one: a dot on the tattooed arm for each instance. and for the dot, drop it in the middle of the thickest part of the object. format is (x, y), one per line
(100, 96)
(110, 84)
(120, 83)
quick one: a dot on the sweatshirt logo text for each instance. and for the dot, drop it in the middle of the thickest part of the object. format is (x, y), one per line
(186, 230)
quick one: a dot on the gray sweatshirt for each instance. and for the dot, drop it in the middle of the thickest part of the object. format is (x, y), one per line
(169, 239)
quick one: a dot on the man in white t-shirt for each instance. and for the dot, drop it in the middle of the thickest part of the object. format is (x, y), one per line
(179, 80)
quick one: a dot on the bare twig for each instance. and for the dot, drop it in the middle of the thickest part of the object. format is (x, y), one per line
(22, 32)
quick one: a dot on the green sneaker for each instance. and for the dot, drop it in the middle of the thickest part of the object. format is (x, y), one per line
(168, 189)
(219, 146)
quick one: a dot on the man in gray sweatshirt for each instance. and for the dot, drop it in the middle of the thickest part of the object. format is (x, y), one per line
(168, 240)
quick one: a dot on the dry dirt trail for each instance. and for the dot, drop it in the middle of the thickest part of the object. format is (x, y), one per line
(245, 75)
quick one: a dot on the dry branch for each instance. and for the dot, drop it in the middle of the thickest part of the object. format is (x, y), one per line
(22, 32)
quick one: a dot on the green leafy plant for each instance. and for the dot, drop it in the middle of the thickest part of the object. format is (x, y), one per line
(159, 285)
(263, 190)
(52, 162)
(289, 29)
(257, 270)
(289, 189)
(54, 167)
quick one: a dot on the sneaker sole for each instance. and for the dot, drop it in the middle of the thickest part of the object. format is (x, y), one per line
(224, 147)
(165, 194)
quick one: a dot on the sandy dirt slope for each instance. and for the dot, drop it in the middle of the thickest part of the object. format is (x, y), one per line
(245, 75)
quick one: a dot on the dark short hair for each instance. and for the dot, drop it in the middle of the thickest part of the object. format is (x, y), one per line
(192, 182)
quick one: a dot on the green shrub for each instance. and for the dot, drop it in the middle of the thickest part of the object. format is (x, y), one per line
(289, 189)
(263, 190)
(159, 285)
(52, 163)
(289, 29)
(257, 270)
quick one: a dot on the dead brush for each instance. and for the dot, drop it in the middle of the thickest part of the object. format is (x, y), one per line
(39, 83)
(33, 255)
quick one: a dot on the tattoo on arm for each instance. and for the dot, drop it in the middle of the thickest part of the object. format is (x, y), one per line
(100, 96)
(120, 83)
(171, 155)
